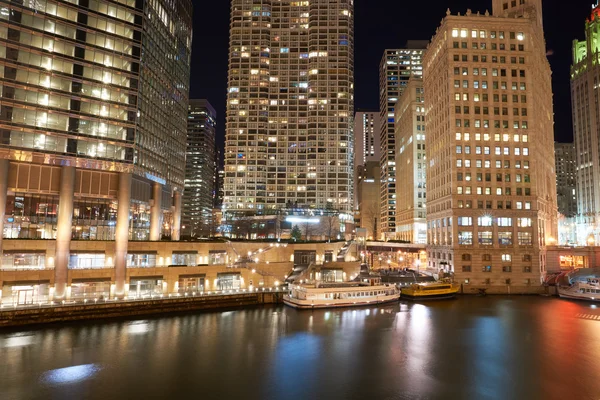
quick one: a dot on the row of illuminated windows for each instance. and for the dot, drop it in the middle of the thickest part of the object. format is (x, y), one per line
(482, 34)
(484, 84)
(64, 103)
(496, 98)
(505, 137)
(60, 10)
(486, 238)
(49, 143)
(57, 65)
(35, 78)
(497, 150)
(490, 221)
(95, 38)
(43, 119)
(488, 191)
(502, 72)
(488, 204)
(488, 177)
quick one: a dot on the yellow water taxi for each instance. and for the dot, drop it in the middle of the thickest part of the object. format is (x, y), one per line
(430, 291)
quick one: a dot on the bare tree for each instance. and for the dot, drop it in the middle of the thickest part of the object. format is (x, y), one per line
(329, 226)
(241, 228)
(278, 228)
(368, 219)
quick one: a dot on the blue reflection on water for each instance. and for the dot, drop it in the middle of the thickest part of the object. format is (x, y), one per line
(296, 352)
(72, 374)
(490, 376)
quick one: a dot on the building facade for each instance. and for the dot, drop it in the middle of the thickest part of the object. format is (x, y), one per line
(395, 69)
(366, 137)
(586, 128)
(411, 164)
(368, 198)
(290, 106)
(200, 171)
(566, 172)
(491, 184)
(89, 148)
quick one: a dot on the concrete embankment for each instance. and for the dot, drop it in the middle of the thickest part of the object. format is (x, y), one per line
(509, 289)
(120, 309)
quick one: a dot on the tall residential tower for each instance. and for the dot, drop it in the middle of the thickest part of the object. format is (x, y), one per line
(491, 183)
(290, 106)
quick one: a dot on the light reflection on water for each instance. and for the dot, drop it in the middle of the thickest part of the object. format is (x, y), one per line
(72, 374)
(471, 348)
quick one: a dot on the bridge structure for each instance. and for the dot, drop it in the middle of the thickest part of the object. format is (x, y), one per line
(378, 247)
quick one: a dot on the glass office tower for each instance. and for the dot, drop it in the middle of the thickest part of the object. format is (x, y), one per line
(93, 121)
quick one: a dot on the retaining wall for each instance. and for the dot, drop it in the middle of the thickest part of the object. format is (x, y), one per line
(118, 309)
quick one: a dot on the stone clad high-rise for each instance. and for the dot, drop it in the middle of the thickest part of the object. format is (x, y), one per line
(411, 164)
(586, 128)
(491, 182)
(397, 66)
(92, 126)
(290, 106)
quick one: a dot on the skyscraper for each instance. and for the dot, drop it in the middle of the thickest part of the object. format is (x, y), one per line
(200, 171)
(290, 106)
(366, 137)
(566, 172)
(586, 128)
(411, 163)
(92, 134)
(491, 183)
(395, 69)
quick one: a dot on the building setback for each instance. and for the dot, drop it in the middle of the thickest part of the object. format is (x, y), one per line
(566, 173)
(290, 106)
(200, 172)
(491, 184)
(586, 127)
(411, 164)
(395, 69)
(92, 134)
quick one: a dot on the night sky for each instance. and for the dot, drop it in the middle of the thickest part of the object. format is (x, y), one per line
(381, 24)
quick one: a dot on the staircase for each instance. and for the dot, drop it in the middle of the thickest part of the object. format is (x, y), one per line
(299, 272)
(341, 257)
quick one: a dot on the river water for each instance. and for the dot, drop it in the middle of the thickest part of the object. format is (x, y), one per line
(469, 348)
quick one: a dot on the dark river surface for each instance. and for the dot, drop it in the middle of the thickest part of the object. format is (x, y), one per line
(469, 348)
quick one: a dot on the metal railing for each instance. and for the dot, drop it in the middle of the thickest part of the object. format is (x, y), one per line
(14, 305)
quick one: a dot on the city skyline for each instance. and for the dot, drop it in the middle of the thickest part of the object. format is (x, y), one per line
(376, 30)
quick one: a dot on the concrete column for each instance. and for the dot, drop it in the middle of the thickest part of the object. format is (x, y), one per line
(63, 231)
(4, 167)
(155, 212)
(176, 229)
(122, 233)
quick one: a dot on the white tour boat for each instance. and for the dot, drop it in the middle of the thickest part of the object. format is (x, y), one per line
(580, 290)
(331, 295)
